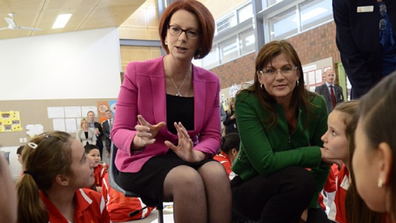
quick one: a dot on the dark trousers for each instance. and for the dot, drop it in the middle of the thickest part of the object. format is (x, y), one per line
(280, 197)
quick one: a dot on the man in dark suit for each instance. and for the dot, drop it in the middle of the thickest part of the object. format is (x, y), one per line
(365, 37)
(107, 127)
(330, 91)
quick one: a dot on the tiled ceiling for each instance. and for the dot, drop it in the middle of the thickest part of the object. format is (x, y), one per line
(87, 14)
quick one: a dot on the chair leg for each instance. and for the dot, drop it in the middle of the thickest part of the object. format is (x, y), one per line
(160, 213)
(160, 216)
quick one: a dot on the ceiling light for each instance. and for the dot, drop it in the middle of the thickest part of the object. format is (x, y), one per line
(61, 21)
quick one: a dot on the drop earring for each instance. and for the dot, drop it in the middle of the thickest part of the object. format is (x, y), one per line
(297, 82)
(166, 43)
(198, 54)
(262, 86)
(379, 183)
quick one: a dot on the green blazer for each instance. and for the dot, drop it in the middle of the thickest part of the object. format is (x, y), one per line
(267, 150)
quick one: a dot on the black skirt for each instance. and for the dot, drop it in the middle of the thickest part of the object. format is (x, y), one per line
(149, 181)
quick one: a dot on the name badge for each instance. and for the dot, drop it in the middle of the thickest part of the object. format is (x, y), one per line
(363, 9)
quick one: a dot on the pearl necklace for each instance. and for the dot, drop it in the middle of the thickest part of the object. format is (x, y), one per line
(178, 88)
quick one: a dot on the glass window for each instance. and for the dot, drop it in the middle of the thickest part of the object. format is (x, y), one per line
(283, 25)
(212, 59)
(226, 22)
(272, 2)
(245, 13)
(247, 41)
(197, 63)
(315, 12)
(228, 50)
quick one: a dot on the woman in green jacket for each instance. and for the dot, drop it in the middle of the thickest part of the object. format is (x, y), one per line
(279, 167)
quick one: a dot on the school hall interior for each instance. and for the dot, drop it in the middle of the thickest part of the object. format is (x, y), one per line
(79, 67)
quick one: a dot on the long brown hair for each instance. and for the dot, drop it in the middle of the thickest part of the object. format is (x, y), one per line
(301, 97)
(44, 157)
(355, 208)
(376, 113)
(350, 119)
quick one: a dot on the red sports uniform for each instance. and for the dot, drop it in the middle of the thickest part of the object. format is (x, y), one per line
(89, 208)
(99, 173)
(225, 160)
(119, 207)
(337, 209)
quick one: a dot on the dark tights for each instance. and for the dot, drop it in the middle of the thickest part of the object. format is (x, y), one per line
(278, 198)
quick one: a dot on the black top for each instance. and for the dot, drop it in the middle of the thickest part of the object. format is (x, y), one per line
(179, 109)
(86, 136)
(230, 124)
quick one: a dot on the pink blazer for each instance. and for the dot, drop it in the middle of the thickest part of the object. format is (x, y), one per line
(143, 92)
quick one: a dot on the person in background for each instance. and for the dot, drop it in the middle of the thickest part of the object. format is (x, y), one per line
(92, 152)
(331, 92)
(167, 127)
(8, 196)
(365, 37)
(92, 124)
(19, 153)
(229, 151)
(230, 121)
(223, 114)
(85, 134)
(107, 127)
(280, 124)
(120, 207)
(374, 158)
(55, 169)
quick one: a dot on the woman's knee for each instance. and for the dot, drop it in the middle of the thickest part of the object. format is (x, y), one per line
(301, 179)
(183, 177)
(214, 170)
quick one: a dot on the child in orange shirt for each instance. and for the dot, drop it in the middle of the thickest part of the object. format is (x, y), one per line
(229, 151)
(93, 152)
(55, 168)
(120, 207)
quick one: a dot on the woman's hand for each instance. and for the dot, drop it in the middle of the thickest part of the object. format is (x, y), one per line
(184, 148)
(146, 133)
(304, 215)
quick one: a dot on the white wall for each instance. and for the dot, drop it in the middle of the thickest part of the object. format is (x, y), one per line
(75, 65)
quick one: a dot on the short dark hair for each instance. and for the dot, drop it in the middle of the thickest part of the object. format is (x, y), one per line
(20, 149)
(205, 21)
(229, 142)
(90, 147)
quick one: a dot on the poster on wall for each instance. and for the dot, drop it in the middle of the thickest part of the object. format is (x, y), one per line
(102, 107)
(34, 129)
(112, 105)
(56, 112)
(10, 121)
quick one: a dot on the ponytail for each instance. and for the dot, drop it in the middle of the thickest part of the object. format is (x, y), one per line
(30, 206)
